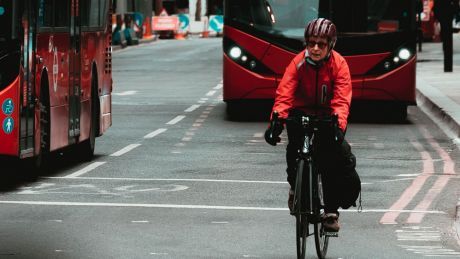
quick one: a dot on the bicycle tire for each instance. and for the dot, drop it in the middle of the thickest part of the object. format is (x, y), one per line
(301, 219)
(321, 239)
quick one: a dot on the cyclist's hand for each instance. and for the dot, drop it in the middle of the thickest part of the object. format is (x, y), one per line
(274, 131)
(339, 135)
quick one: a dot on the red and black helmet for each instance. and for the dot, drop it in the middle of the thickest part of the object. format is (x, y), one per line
(323, 28)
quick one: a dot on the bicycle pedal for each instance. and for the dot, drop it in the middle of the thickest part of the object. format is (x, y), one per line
(331, 234)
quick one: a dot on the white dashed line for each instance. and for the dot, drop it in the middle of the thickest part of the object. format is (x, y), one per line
(192, 108)
(155, 133)
(217, 87)
(125, 150)
(211, 93)
(176, 120)
(85, 170)
(125, 93)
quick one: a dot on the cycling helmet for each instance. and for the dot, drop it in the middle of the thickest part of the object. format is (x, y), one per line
(322, 27)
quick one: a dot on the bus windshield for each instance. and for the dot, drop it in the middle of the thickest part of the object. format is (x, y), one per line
(289, 17)
(6, 19)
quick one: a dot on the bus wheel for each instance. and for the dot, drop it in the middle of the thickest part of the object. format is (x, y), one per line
(86, 148)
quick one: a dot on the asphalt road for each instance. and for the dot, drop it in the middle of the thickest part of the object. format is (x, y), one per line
(174, 178)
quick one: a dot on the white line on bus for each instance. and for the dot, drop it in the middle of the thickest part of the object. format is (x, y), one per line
(192, 108)
(190, 206)
(176, 120)
(154, 133)
(85, 170)
(125, 150)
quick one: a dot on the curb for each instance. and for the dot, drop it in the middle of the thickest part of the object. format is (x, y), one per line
(447, 111)
(440, 105)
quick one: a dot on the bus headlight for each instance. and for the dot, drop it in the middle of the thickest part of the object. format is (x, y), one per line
(235, 52)
(404, 54)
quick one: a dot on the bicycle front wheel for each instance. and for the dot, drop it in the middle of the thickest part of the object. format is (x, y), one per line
(302, 234)
(321, 239)
(299, 211)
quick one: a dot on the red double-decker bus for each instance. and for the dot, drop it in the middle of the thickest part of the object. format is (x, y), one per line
(55, 77)
(377, 38)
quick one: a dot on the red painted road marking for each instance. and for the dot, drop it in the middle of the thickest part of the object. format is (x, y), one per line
(413, 189)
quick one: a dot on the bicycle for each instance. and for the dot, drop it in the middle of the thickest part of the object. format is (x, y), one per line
(308, 194)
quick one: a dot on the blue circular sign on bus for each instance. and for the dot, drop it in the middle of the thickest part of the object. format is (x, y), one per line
(8, 106)
(2, 10)
(8, 125)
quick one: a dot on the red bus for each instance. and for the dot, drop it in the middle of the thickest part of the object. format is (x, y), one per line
(377, 38)
(55, 81)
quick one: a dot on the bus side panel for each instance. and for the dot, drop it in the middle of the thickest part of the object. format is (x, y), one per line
(398, 85)
(53, 51)
(240, 83)
(9, 119)
(106, 107)
(89, 45)
(277, 59)
(106, 90)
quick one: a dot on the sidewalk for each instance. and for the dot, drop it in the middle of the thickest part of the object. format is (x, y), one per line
(438, 93)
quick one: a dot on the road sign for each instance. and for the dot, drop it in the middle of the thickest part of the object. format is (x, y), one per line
(165, 23)
(216, 23)
(184, 22)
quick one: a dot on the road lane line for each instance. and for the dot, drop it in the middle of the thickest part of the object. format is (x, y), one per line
(176, 120)
(85, 170)
(173, 180)
(211, 93)
(192, 108)
(125, 150)
(218, 86)
(186, 206)
(154, 133)
(413, 189)
(125, 93)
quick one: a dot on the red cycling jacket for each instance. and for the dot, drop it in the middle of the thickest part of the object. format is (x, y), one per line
(321, 90)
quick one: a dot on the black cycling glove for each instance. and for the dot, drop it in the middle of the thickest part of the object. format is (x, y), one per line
(274, 130)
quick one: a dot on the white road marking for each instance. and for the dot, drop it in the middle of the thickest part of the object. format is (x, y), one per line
(184, 206)
(219, 222)
(125, 150)
(140, 221)
(154, 133)
(85, 170)
(192, 108)
(125, 93)
(211, 93)
(172, 180)
(176, 120)
(219, 86)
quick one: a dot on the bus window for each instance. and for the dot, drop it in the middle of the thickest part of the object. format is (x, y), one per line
(5, 18)
(46, 13)
(94, 13)
(102, 11)
(62, 16)
(84, 12)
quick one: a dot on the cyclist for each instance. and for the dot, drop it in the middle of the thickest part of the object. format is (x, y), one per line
(318, 82)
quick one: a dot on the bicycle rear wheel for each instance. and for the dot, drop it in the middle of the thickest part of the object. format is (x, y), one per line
(321, 239)
(301, 218)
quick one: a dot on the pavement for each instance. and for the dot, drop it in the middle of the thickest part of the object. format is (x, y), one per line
(438, 95)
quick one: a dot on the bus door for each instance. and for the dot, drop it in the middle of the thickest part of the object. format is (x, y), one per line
(74, 72)
(27, 18)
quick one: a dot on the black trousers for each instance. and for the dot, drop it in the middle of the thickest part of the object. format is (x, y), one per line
(335, 162)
